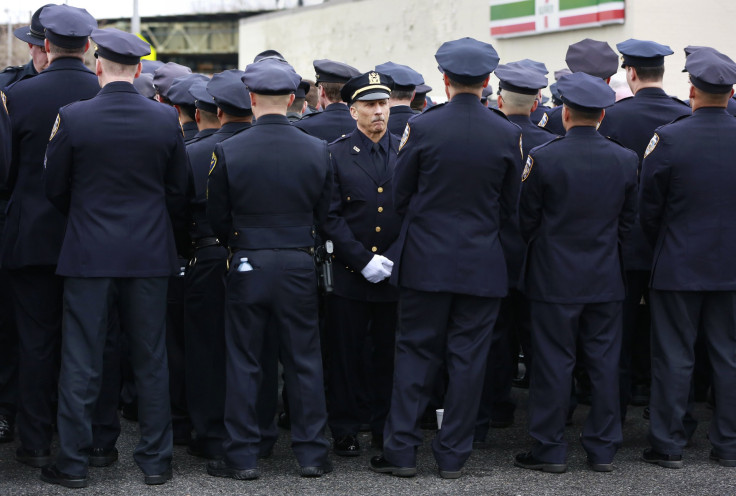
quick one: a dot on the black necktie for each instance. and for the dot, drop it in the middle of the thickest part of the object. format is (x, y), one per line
(377, 159)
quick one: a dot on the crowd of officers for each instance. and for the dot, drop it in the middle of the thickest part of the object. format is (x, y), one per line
(160, 228)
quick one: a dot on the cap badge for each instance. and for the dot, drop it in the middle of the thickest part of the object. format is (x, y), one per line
(374, 78)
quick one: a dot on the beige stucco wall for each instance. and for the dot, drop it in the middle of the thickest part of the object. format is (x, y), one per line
(364, 33)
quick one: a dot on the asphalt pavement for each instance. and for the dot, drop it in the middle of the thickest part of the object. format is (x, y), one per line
(487, 472)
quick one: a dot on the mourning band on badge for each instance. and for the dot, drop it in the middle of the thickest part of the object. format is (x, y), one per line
(213, 163)
(544, 120)
(405, 136)
(652, 145)
(527, 168)
(56, 127)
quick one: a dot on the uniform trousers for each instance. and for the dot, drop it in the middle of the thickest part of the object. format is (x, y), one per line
(496, 403)
(634, 364)
(204, 333)
(37, 297)
(676, 318)
(437, 328)
(141, 303)
(8, 339)
(351, 326)
(175, 343)
(557, 330)
(276, 302)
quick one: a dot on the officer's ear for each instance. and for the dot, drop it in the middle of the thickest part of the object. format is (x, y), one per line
(197, 116)
(138, 70)
(535, 105)
(292, 97)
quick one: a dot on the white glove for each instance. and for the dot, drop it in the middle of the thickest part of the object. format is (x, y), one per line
(387, 264)
(374, 271)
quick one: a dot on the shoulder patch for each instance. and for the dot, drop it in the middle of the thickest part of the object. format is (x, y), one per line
(55, 129)
(682, 102)
(527, 168)
(5, 102)
(543, 121)
(405, 136)
(652, 145)
(213, 163)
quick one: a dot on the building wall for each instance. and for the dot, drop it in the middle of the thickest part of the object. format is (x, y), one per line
(364, 33)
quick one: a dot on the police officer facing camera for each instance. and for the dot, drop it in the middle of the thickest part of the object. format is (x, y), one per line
(363, 226)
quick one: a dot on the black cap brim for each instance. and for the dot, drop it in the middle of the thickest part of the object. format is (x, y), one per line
(24, 34)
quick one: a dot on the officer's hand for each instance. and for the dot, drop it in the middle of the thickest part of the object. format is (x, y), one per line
(375, 271)
(387, 264)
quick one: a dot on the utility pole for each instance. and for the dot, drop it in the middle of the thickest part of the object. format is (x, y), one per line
(135, 23)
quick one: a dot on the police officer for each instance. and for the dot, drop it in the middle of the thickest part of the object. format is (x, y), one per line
(297, 109)
(687, 210)
(116, 165)
(163, 78)
(520, 83)
(574, 216)
(406, 80)
(34, 229)
(596, 58)
(632, 122)
(456, 181)
(363, 227)
(183, 101)
(419, 102)
(34, 36)
(334, 120)
(267, 187)
(204, 303)
(8, 333)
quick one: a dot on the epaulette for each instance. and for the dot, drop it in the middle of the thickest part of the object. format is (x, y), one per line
(677, 119)
(615, 141)
(341, 138)
(296, 127)
(680, 101)
(624, 99)
(433, 107)
(309, 115)
(539, 147)
(13, 68)
(496, 111)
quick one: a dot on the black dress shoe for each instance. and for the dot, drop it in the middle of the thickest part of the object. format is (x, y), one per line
(102, 457)
(284, 421)
(316, 471)
(129, 411)
(650, 455)
(600, 467)
(381, 465)
(347, 446)
(220, 468)
(527, 460)
(377, 442)
(723, 462)
(7, 429)
(33, 458)
(157, 479)
(53, 475)
(645, 413)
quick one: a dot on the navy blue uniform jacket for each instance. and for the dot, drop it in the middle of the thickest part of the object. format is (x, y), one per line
(400, 115)
(362, 221)
(268, 186)
(34, 227)
(116, 165)
(5, 135)
(200, 157)
(687, 204)
(456, 182)
(632, 122)
(511, 240)
(330, 124)
(577, 204)
(552, 121)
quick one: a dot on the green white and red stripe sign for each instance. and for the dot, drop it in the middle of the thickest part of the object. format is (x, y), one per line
(526, 17)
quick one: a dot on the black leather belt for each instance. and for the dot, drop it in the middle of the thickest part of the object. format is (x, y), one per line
(205, 242)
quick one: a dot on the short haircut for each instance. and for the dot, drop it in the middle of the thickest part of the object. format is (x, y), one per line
(274, 100)
(466, 87)
(117, 69)
(650, 74)
(297, 106)
(418, 102)
(188, 110)
(208, 117)
(332, 91)
(59, 52)
(401, 95)
(715, 99)
(518, 102)
(584, 115)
